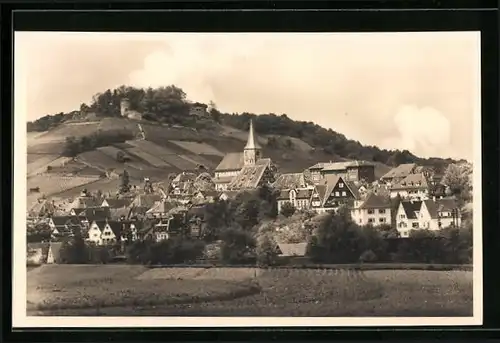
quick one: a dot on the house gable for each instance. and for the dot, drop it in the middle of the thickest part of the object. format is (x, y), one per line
(95, 232)
(337, 193)
(107, 233)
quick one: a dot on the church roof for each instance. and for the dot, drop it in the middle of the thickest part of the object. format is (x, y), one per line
(248, 177)
(252, 142)
(232, 161)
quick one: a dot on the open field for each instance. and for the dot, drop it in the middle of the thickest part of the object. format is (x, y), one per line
(51, 184)
(73, 167)
(241, 135)
(197, 159)
(100, 160)
(52, 287)
(148, 158)
(152, 148)
(71, 129)
(180, 162)
(198, 148)
(46, 147)
(159, 133)
(104, 185)
(135, 290)
(38, 163)
(112, 151)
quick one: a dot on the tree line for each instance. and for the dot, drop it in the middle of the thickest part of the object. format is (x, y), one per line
(76, 145)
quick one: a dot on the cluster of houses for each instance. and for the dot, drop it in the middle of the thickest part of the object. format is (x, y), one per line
(408, 197)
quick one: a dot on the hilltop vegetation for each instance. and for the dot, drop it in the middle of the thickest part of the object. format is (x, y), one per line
(169, 105)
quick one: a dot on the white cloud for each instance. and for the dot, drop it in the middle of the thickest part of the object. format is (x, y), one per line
(425, 130)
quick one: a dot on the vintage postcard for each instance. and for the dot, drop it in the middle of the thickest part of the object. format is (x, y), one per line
(258, 179)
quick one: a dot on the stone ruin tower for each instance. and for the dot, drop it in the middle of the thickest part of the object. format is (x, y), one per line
(124, 107)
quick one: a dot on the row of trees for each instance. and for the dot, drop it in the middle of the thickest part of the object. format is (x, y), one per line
(76, 145)
(47, 122)
(339, 240)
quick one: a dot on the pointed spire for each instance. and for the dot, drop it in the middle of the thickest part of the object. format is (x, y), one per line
(251, 143)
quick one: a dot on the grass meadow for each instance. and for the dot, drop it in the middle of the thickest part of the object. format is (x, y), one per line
(122, 290)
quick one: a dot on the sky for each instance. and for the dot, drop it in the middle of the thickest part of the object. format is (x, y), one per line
(415, 91)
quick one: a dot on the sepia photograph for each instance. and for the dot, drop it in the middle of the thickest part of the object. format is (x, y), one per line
(250, 179)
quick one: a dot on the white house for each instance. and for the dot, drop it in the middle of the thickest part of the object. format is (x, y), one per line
(108, 232)
(95, 231)
(298, 198)
(408, 217)
(413, 186)
(428, 214)
(439, 214)
(198, 109)
(374, 210)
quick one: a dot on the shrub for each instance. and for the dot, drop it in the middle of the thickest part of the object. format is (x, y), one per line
(266, 250)
(287, 209)
(237, 246)
(368, 256)
(171, 251)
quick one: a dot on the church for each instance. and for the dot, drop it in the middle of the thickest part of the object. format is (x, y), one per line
(244, 170)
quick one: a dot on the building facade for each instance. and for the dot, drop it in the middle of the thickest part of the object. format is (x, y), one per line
(353, 171)
(374, 210)
(427, 214)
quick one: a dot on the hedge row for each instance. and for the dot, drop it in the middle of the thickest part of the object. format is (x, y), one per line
(371, 266)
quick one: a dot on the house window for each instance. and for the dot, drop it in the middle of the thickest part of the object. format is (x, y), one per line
(370, 211)
(381, 220)
(402, 224)
(360, 221)
(404, 234)
(337, 194)
(371, 220)
(414, 225)
(381, 211)
(344, 193)
(341, 185)
(402, 216)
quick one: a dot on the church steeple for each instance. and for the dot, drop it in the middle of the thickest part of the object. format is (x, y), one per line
(252, 151)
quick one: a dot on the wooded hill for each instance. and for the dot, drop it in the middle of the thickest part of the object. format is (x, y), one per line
(169, 106)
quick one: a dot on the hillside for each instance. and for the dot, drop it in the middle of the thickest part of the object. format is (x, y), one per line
(96, 141)
(164, 150)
